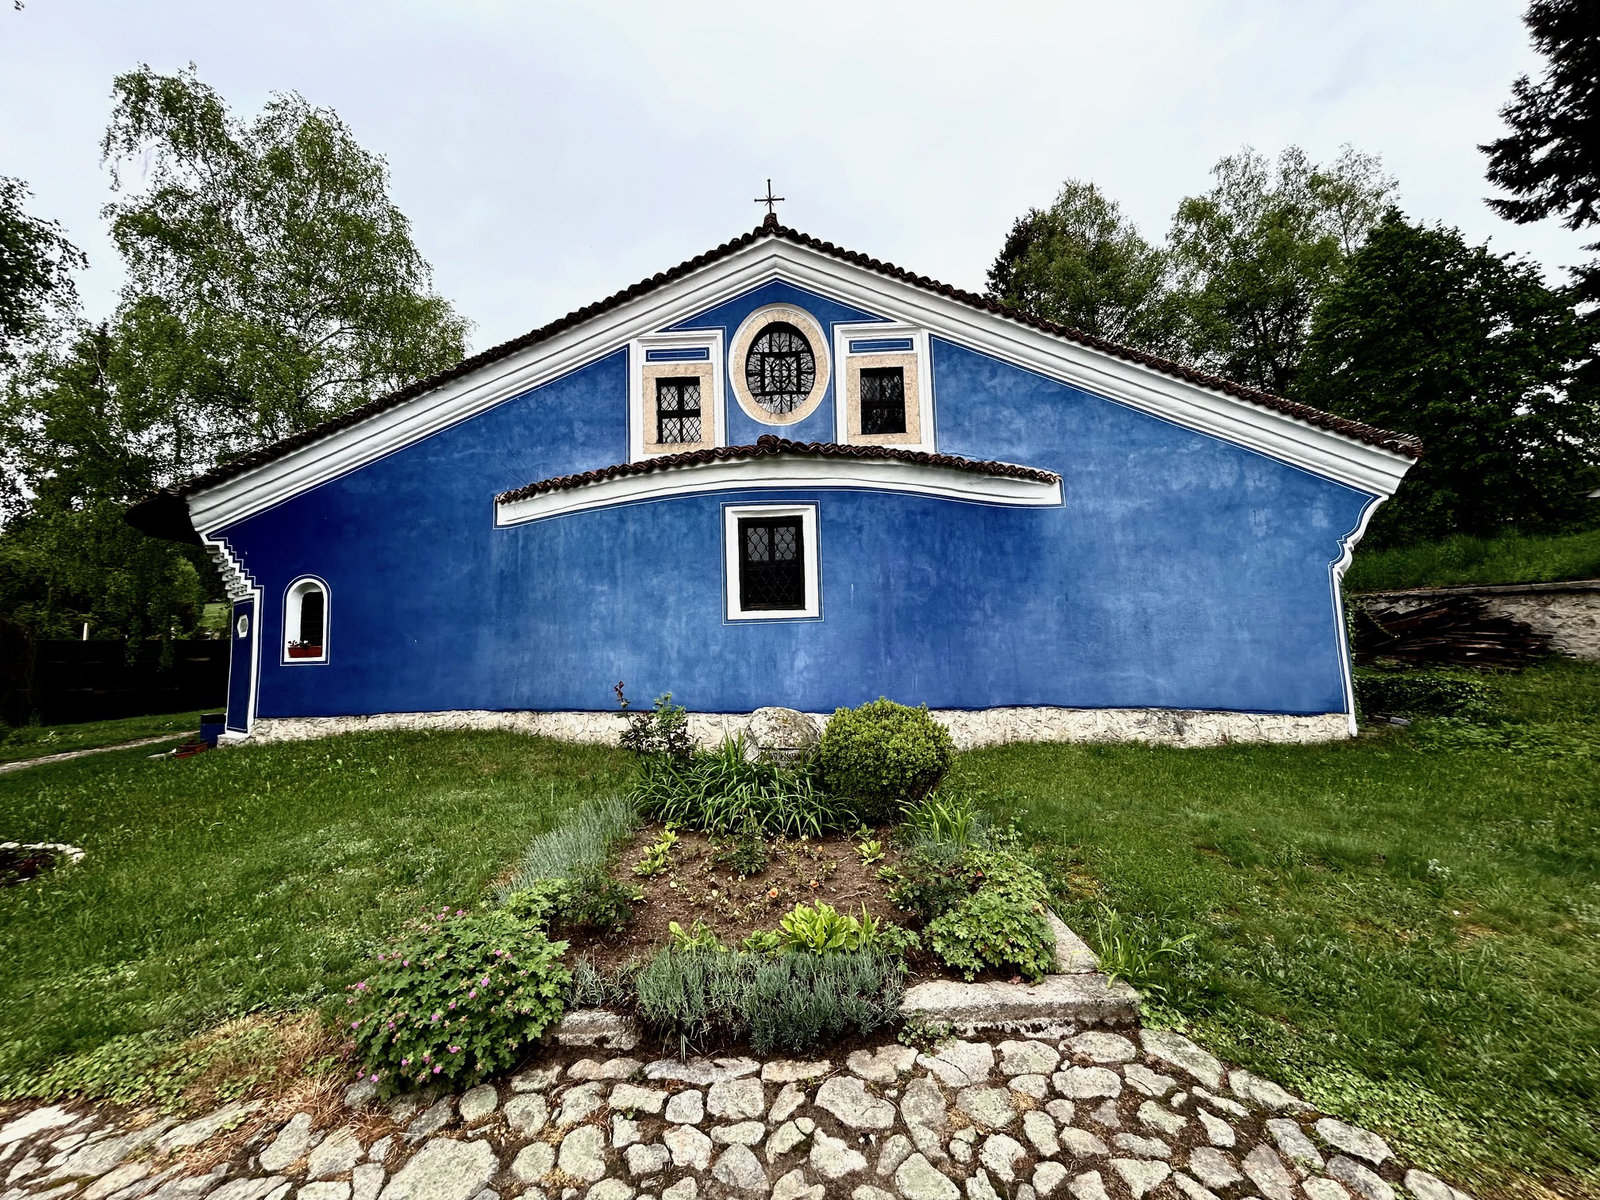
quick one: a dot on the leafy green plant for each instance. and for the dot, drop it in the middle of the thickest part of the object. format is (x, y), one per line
(870, 851)
(884, 756)
(765, 941)
(593, 987)
(994, 928)
(930, 879)
(661, 732)
(724, 791)
(821, 928)
(921, 1033)
(658, 856)
(457, 998)
(695, 997)
(892, 939)
(539, 901)
(748, 855)
(597, 902)
(699, 936)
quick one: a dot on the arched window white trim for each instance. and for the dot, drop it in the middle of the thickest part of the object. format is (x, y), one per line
(306, 609)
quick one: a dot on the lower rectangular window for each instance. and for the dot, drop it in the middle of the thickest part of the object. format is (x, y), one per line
(771, 567)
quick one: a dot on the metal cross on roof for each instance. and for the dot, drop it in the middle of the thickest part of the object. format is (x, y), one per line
(771, 202)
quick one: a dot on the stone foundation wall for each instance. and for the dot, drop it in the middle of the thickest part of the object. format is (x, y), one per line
(986, 727)
(1568, 612)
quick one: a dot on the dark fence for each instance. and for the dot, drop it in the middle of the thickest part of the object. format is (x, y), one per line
(61, 683)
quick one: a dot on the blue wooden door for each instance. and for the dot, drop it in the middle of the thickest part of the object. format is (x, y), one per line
(241, 665)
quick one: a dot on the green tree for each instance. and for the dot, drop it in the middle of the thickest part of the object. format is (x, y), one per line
(1255, 253)
(1472, 352)
(36, 265)
(271, 281)
(1082, 263)
(78, 449)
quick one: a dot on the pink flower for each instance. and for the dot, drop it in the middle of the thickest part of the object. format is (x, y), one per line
(374, 1078)
(436, 1070)
(473, 994)
(435, 1016)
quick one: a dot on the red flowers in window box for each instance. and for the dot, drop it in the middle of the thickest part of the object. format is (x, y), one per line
(304, 650)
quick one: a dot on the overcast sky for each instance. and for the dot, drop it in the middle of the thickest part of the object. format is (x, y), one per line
(548, 155)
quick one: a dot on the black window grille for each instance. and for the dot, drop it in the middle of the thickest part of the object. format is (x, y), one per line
(883, 400)
(780, 369)
(772, 568)
(313, 607)
(677, 411)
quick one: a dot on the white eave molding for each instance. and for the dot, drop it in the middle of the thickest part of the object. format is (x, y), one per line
(792, 472)
(1335, 456)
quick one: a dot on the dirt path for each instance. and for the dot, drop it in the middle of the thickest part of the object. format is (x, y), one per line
(66, 754)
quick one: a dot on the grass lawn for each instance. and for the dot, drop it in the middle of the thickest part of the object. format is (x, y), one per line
(1509, 558)
(1410, 937)
(255, 878)
(35, 741)
(1408, 933)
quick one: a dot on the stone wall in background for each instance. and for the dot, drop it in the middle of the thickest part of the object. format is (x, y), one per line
(1568, 612)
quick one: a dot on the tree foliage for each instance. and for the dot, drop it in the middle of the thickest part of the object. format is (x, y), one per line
(36, 265)
(1083, 264)
(1255, 253)
(272, 282)
(1472, 352)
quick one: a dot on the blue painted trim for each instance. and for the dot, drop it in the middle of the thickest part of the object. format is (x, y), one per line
(684, 354)
(873, 345)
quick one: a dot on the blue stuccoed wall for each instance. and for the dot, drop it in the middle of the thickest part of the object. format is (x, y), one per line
(1181, 571)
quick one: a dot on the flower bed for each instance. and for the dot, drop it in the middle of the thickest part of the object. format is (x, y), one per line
(728, 899)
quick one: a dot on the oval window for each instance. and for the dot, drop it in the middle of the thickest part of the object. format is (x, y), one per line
(781, 368)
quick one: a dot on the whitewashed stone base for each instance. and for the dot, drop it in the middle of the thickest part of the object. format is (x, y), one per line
(1568, 612)
(969, 729)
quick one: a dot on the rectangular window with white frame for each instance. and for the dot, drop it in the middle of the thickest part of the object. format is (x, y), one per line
(770, 562)
(675, 396)
(885, 387)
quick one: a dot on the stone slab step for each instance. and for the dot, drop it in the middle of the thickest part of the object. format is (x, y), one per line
(1086, 998)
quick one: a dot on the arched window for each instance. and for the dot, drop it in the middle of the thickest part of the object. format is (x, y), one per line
(305, 621)
(781, 368)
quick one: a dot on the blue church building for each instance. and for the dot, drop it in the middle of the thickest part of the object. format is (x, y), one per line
(787, 474)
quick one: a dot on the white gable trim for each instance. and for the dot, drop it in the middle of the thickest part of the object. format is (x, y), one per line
(1333, 455)
(784, 473)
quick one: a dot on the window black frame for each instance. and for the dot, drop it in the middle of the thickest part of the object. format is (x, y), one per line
(876, 411)
(797, 367)
(771, 585)
(678, 385)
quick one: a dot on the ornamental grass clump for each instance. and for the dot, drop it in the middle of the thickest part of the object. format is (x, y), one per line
(726, 791)
(459, 997)
(884, 756)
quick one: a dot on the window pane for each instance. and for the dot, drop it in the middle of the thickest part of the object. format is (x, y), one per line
(780, 368)
(677, 411)
(312, 607)
(772, 572)
(883, 400)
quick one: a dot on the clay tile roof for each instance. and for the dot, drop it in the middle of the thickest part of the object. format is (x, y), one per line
(1400, 443)
(768, 446)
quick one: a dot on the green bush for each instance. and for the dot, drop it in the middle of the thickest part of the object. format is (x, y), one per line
(662, 731)
(597, 902)
(459, 997)
(884, 756)
(1424, 694)
(722, 791)
(931, 879)
(993, 916)
(796, 1003)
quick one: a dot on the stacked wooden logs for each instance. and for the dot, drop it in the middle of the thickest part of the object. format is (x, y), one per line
(1454, 632)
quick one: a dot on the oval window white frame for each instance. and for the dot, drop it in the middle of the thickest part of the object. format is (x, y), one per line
(739, 349)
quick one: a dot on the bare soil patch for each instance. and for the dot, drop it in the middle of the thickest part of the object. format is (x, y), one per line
(702, 883)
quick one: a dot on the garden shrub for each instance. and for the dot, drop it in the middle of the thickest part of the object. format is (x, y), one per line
(723, 791)
(931, 879)
(538, 902)
(1424, 694)
(1002, 924)
(597, 902)
(884, 756)
(662, 731)
(459, 997)
(795, 1003)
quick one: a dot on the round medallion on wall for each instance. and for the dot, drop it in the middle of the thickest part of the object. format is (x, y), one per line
(779, 364)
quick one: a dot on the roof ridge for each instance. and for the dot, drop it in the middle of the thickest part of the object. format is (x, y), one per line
(771, 446)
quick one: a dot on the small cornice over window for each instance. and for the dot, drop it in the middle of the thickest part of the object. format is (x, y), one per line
(305, 622)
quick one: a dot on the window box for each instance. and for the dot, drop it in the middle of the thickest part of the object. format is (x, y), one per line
(304, 650)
